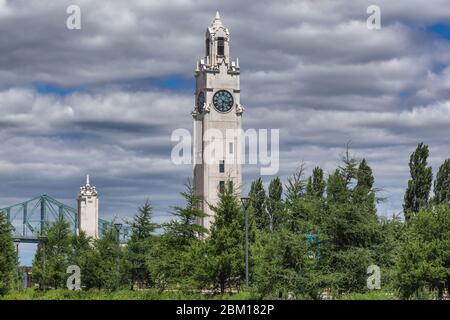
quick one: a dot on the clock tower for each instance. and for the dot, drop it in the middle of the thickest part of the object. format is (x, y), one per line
(217, 120)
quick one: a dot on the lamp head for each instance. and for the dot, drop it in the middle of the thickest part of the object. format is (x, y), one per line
(245, 202)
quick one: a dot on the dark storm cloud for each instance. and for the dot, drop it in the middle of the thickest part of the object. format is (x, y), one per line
(129, 127)
(104, 100)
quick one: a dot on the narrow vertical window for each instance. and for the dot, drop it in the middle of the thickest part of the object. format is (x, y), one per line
(220, 46)
(230, 148)
(221, 186)
(222, 166)
(207, 47)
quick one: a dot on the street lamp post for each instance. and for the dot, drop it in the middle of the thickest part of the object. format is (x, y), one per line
(245, 203)
(118, 227)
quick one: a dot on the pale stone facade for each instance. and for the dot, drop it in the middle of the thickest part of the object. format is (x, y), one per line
(217, 107)
(88, 210)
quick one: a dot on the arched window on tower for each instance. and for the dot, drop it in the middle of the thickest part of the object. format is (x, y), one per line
(207, 47)
(220, 46)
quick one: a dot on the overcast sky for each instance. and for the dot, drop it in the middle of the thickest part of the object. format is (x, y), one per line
(105, 99)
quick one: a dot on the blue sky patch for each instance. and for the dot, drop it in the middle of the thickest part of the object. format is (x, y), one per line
(443, 30)
(44, 88)
(177, 83)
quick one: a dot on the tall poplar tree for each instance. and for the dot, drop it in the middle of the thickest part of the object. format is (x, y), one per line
(316, 183)
(274, 202)
(419, 186)
(258, 204)
(442, 184)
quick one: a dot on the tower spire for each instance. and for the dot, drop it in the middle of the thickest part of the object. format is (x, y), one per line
(88, 209)
(217, 22)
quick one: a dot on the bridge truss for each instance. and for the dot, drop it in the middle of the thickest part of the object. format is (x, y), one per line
(30, 218)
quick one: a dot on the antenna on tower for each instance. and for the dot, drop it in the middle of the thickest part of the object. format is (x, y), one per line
(87, 180)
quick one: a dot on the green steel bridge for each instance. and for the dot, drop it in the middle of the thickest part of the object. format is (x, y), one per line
(29, 219)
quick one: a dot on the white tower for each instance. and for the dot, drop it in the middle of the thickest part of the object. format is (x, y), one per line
(88, 210)
(217, 119)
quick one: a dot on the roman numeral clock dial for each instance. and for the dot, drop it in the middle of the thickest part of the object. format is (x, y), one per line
(223, 101)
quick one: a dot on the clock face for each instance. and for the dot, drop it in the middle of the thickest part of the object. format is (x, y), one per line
(223, 101)
(201, 102)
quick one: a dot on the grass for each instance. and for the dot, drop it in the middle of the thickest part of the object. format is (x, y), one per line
(60, 294)
(372, 295)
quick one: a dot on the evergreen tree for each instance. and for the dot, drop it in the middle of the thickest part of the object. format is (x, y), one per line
(8, 257)
(364, 193)
(84, 256)
(442, 184)
(258, 204)
(142, 225)
(348, 169)
(225, 255)
(423, 259)
(184, 229)
(110, 271)
(274, 203)
(140, 245)
(52, 256)
(316, 184)
(349, 229)
(337, 191)
(419, 186)
(284, 266)
(171, 263)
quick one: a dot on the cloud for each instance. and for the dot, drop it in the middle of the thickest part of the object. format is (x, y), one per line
(104, 99)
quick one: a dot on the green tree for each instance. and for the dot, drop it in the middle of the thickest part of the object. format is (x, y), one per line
(423, 259)
(296, 205)
(140, 245)
(285, 265)
(171, 262)
(419, 186)
(316, 184)
(110, 270)
(275, 203)
(349, 228)
(391, 233)
(84, 256)
(52, 256)
(348, 168)
(296, 185)
(258, 204)
(8, 257)
(184, 229)
(442, 184)
(225, 255)
(337, 191)
(364, 193)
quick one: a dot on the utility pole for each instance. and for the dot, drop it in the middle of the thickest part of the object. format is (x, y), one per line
(245, 203)
(118, 227)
